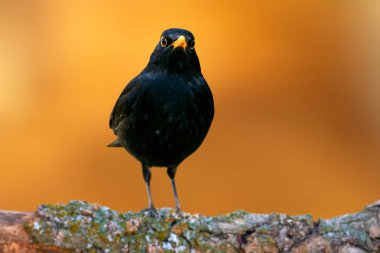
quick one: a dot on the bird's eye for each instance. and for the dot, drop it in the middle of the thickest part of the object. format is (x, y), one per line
(192, 43)
(164, 42)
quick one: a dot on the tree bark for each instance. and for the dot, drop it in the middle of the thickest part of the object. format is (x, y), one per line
(82, 227)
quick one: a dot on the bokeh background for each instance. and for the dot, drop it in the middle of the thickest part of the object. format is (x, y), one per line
(296, 86)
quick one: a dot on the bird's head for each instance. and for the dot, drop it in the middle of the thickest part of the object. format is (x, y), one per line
(175, 53)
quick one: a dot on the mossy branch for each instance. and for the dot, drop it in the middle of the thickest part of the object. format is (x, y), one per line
(82, 227)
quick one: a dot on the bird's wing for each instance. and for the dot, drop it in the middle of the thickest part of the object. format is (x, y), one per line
(122, 108)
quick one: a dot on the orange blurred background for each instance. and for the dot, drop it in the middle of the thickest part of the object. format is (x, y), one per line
(296, 87)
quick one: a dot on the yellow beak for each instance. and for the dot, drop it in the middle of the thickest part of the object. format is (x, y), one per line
(180, 42)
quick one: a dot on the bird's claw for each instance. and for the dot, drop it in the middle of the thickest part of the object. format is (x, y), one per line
(153, 211)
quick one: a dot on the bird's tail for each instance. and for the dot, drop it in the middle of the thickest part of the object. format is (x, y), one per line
(115, 144)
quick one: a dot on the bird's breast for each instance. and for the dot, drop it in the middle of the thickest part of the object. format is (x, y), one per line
(170, 104)
(172, 107)
(169, 121)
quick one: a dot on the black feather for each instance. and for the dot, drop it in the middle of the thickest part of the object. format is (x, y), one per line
(164, 113)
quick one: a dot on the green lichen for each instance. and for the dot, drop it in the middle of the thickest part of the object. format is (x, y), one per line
(266, 240)
(86, 227)
(347, 227)
(83, 227)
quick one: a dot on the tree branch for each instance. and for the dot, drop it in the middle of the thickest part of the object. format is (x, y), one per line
(82, 227)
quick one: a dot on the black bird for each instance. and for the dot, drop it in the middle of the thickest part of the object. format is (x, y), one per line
(163, 114)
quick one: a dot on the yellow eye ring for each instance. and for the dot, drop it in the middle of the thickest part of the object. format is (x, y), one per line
(164, 41)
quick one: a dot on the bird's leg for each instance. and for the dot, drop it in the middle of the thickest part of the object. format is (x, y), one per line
(147, 175)
(171, 173)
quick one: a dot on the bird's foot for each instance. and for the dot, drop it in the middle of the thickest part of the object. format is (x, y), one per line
(152, 211)
(178, 210)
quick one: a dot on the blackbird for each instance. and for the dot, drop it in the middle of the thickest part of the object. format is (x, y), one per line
(163, 114)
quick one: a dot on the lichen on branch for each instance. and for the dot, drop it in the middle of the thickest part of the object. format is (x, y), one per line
(82, 227)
